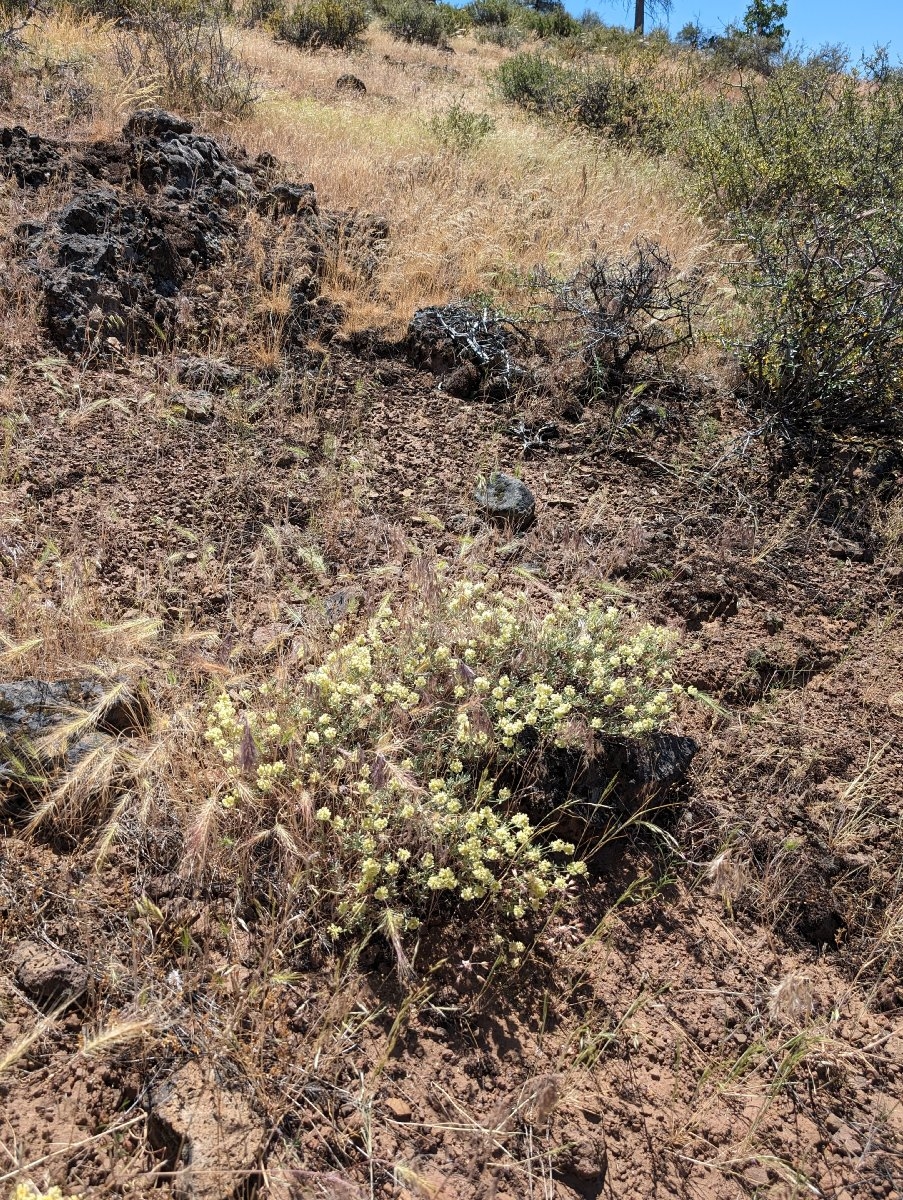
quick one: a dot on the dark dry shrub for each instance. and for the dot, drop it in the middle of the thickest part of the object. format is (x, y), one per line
(622, 106)
(15, 15)
(263, 12)
(422, 21)
(824, 293)
(624, 309)
(180, 49)
(314, 23)
(507, 36)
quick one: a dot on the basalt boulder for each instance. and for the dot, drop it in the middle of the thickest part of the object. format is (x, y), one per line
(473, 352)
(150, 212)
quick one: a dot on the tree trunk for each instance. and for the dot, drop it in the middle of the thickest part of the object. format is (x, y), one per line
(639, 16)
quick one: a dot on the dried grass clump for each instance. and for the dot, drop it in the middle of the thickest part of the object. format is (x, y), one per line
(181, 49)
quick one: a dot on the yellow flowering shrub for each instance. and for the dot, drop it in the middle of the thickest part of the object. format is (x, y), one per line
(393, 749)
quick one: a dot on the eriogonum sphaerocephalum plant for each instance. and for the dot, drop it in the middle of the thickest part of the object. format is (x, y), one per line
(390, 751)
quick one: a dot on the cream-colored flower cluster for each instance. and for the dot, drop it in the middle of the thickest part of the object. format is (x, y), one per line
(28, 1191)
(403, 733)
(414, 844)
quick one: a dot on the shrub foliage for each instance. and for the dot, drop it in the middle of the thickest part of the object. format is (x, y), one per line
(181, 48)
(805, 174)
(314, 23)
(421, 21)
(460, 129)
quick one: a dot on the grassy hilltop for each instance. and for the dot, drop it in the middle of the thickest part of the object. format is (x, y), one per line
(451, 550)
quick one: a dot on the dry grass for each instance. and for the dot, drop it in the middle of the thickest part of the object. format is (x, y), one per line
(461, 224)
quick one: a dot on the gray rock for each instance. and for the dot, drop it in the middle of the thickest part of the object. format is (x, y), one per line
(30, 709)
(506, 501)
(209, 374)
(195, 406)
(350, 83)
(46, 975)
(112, 272)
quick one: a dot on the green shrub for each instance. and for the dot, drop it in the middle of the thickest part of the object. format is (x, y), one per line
(397, 769)
(619, 100)
(806, 136)
(421, 21)
(824, 295)
(493, 12)
(623, 106)
(534, 81)
(507, 36)
(749, 52)
(554, 23)
(315, 23)
(804, 171)
(461, 130)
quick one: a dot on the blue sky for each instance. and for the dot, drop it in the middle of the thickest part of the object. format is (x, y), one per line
(860, 26)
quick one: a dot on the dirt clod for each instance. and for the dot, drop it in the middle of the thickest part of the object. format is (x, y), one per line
(211, 1134)
(48, 976)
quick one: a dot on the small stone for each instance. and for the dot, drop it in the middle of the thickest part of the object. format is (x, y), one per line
(210, 374)
(400, 1109)
(350, 83)
(774, 622)
(756, 1176)
(506, 500)
(47, 976)
(584, 1162)
(212, 1137)
(195, 406)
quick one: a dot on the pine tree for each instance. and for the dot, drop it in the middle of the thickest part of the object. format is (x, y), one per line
(764, 20)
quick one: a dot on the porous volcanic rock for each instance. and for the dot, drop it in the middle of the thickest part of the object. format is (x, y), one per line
(506, 501)
(350, 83)
(113, 272)
(47, 975)
(147, 213)
(473, 352)
(30, 709)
